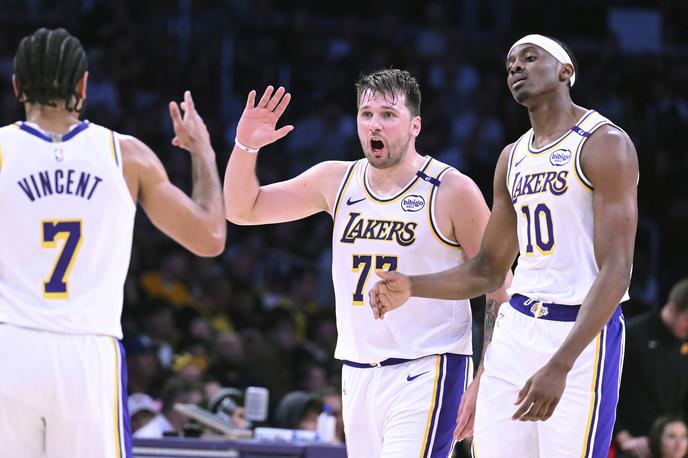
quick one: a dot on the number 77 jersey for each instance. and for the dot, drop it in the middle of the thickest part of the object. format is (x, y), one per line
(67, 221)
(398, 232)
(552, 199)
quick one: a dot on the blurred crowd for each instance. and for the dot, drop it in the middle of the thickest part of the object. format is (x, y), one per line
(262, 314)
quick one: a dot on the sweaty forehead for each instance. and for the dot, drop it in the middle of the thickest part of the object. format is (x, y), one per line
(378, 98)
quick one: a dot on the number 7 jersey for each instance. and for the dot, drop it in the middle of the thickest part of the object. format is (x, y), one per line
(552, 199)
(393, 233)
(67, 222)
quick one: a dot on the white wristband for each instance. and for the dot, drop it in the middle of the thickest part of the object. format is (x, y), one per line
(243, 147)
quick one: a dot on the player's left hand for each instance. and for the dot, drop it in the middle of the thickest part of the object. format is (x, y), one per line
(540, 395)
(190, 132)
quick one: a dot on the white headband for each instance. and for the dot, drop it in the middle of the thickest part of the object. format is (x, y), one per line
(549, 45)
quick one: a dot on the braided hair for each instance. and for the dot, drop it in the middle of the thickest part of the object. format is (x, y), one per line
(48, 65)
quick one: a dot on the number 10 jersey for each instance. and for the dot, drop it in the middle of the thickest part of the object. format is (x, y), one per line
(67, 222)
(552, 199)
(396, 232)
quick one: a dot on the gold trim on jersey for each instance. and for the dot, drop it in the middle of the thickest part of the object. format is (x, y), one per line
(401, 193)
(578, 169)
(343, 187)
(1, 161)
(434, 228)
(511, 161)
(113, 149)
(544, 149)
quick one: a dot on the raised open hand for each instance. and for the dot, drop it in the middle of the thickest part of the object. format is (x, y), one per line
(190, 131)
(257, 126)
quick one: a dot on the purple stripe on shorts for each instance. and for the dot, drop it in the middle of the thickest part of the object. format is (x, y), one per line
(609, 397)
(124, 402)
(444, 423)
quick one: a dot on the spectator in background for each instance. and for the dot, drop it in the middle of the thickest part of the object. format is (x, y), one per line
(143, 366)
(142, 409)
(298, 410)
(655, 375)
(669, 438)
(169, 422)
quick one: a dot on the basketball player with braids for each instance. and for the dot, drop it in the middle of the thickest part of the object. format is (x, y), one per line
(565, 200)
(403, 378)
(69, 192)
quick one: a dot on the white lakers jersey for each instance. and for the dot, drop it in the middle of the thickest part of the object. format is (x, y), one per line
(553, 203)
(67, 228)
(393, 233)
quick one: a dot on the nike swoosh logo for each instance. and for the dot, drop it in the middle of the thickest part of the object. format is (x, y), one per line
(410, 378)
(351, 202)
(518, 162)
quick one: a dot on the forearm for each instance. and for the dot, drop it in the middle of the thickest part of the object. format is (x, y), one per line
(465, 281)
(596, 310)
(241, 186)
(206, 193)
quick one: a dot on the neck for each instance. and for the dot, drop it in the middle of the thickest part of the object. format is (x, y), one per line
(551, 118)
(390, 180)
(52, 119)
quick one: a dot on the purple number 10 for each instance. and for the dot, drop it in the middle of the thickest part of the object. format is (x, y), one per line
(541, 221)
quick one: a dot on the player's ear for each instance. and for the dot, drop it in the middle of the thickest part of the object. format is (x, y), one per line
(566, 72)
(17, 91)
(415, 126)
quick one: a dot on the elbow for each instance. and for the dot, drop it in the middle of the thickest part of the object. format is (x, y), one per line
(213, 243)
(237, 217)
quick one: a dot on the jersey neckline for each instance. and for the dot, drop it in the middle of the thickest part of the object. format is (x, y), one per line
(409, 185)
(554, 143)
(56, 138)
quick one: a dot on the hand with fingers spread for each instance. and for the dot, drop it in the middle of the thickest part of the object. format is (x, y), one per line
(541, 393)
(389, 293)
(190, 132)
(466, 418)
(257, 126)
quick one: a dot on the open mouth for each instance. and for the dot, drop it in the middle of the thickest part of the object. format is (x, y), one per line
(376, 146)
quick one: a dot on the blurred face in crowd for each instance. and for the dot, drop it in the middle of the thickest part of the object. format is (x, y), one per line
(674, 440)
(676, 320)
(532, 71)
(386, 128)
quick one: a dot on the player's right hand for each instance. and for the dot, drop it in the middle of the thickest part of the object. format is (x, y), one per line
(466, 416)
(389, 293)
(257, 126)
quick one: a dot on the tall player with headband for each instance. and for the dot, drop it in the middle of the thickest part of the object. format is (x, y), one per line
(565, 200)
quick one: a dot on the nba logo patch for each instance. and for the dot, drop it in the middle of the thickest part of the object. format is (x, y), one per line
(59, 154)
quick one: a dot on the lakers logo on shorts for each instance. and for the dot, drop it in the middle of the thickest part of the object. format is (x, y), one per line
(538, 310)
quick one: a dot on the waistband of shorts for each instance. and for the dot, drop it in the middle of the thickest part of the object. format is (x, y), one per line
(386, 362)
(544, 310)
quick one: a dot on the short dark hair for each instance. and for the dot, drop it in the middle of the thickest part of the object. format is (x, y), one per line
(391, 82)
(679, 295)
(657, 430)
(48, 65)
(574, 62)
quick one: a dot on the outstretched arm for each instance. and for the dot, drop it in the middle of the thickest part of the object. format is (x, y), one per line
(610, 161)
(197, 223)
(249, 203)
(483, 273)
